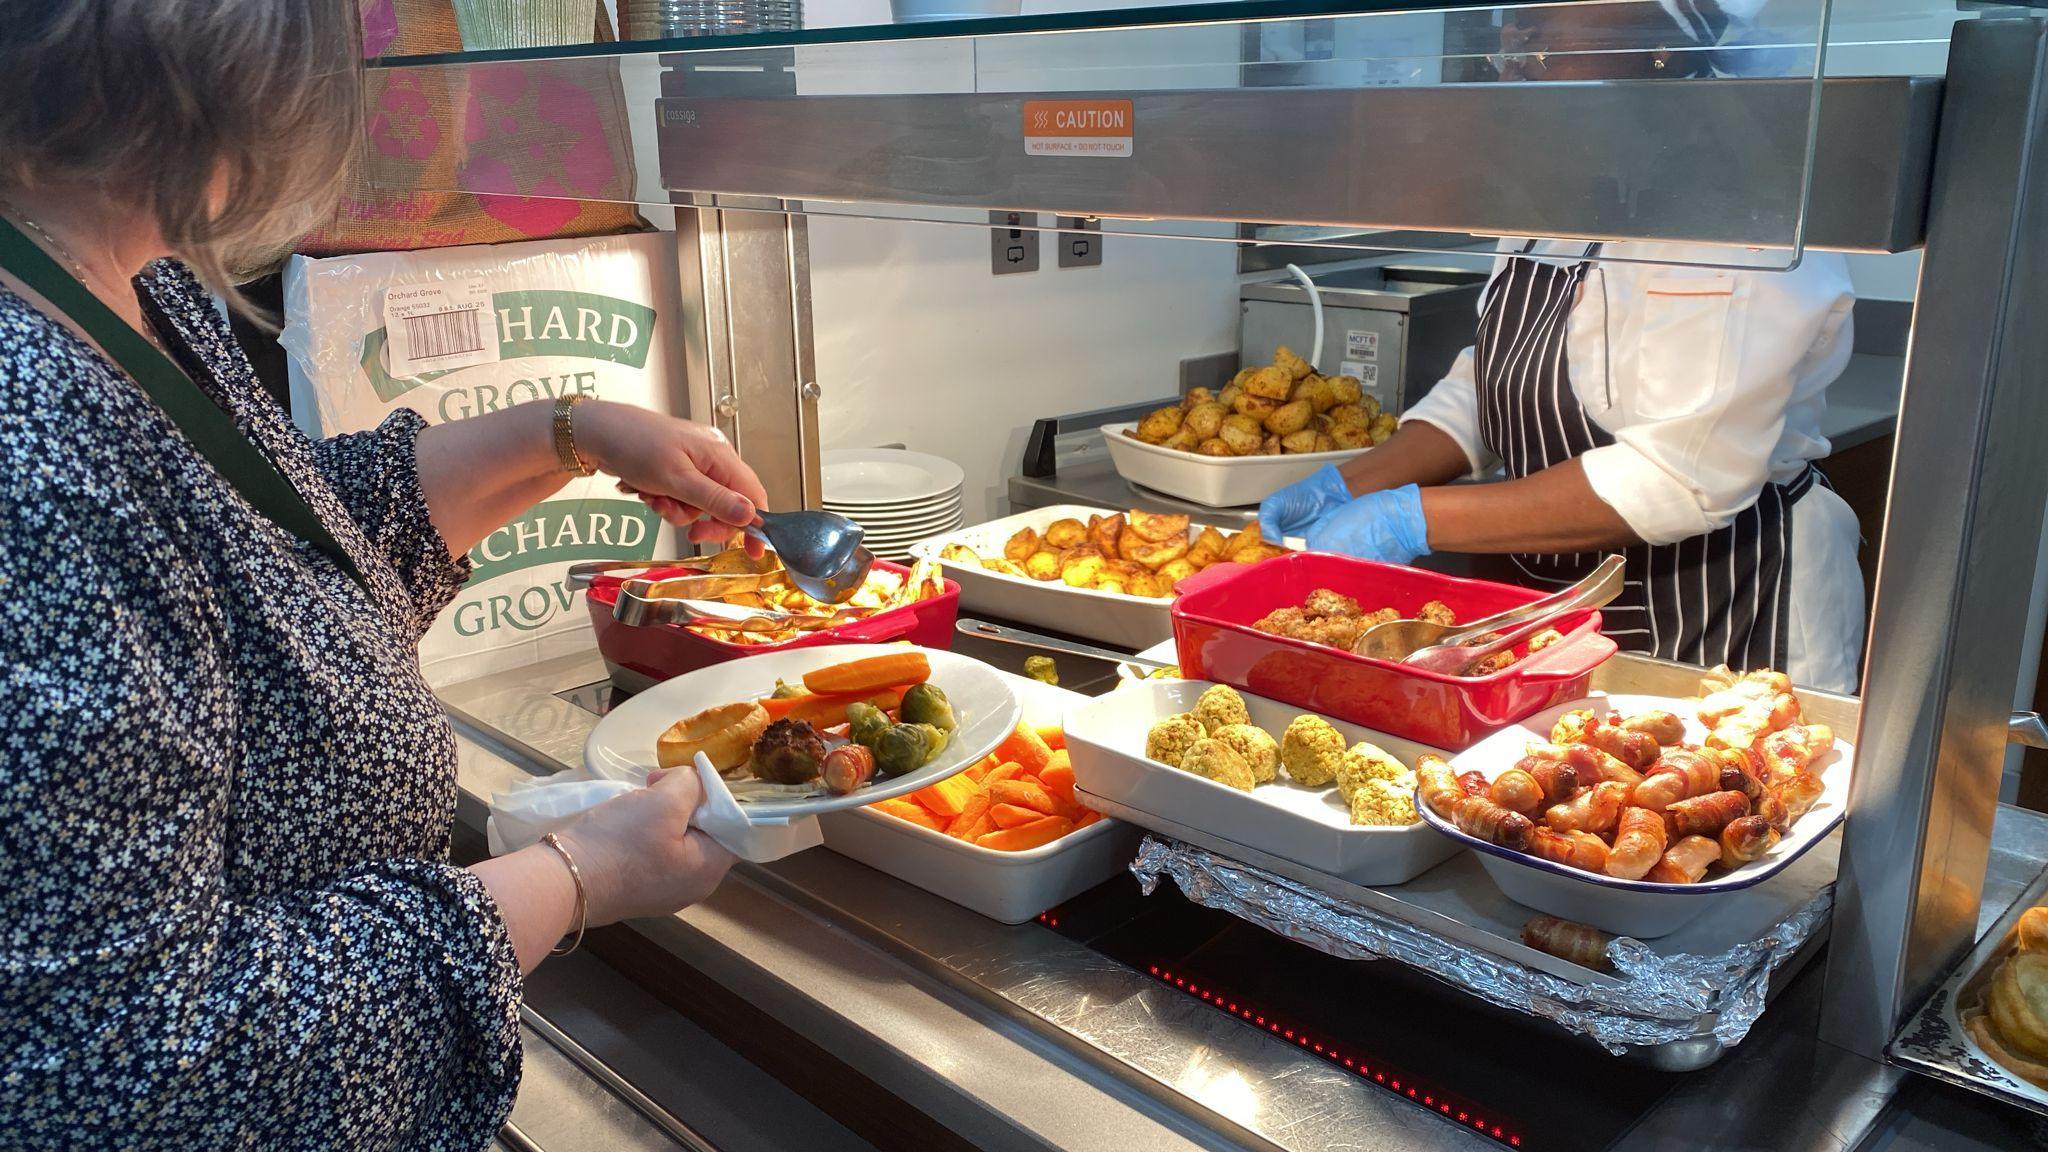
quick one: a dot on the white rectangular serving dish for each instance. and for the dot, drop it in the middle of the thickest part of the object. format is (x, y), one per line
(1011, 887)
(1636, 908)
(1113, 618)
(1309, 827)
(1218, 481)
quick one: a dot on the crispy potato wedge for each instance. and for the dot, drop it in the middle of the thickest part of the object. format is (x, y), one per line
(1239, 540)
(1080, 566)
(1043, 566)
(1122, 569)
(1208, 538)
(1152, 585)
(1158, 526)
(1006, 566)
(734, 562)
(1258, 552)
(959, 554)
(1104, 531)
(1065, 533)
(1159, 424)
(1021, 544)
(1153, 554)
(1288, 361)
(1273, 383)
(1177, 571)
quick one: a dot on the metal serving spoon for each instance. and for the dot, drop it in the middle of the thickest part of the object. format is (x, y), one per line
(820, 551)
(1460, 650)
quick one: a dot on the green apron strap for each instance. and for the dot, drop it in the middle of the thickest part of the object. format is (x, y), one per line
(210, 429)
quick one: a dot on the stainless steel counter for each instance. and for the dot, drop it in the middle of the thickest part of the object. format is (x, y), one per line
(1021, 1037)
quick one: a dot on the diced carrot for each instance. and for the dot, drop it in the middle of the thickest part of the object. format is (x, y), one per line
(1055, 737)
(895, 670)
(1001, 772)
(1010, 815)
(975, 810)
(1043, 830)
(905, 810)
(1058, 778)
(947, 798)
(1024, 747)
(1024, 794)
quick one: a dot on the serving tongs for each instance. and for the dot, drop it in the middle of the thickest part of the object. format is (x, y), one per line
(1451, 649)
(696, 599)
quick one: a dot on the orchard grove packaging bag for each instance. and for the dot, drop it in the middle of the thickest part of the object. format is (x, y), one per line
(458, 332)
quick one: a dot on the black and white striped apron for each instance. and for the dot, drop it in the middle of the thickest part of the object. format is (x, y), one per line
(1712, 599)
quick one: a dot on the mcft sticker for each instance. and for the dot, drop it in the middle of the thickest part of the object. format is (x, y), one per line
(1077, 128)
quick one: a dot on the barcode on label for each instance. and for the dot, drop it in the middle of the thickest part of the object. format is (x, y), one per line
(438, 335)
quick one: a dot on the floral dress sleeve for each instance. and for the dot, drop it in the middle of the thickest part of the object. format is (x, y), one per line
(145, 999)
(376, 475)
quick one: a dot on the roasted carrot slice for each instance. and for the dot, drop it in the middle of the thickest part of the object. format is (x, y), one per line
(1024, 794)
(1012, 816)
(1007, 770)
(947, 798)
(829, 711)
(1024, 747)
(1044, 830)
(975, 811)
(1055, 737)
(905, 810)
(895, 670)
(1058, 778)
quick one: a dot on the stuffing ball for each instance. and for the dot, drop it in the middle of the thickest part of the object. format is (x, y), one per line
(1218, 761)
(1260, 751)
(1169, 740)
(1311, 750)
(1220, 707)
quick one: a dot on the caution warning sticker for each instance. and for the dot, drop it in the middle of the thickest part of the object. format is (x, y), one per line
(1077, 128)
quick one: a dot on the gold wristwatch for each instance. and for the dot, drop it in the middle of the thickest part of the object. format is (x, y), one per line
(565, 435)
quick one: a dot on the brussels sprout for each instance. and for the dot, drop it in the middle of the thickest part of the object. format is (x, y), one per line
(1042, 669)
(865, 723)
(899, 749)
(927, 704)
(935, 740)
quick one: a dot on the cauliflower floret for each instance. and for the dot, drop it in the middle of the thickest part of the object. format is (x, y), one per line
(1363, 762)
(1219, 707)
(1258, 748)
(1169, 740)
(1382, 803)
(1310, 750)
(1218, 761)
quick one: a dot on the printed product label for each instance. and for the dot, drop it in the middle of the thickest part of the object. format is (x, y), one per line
(440, 325)
(1368, 375)
(1359, 345)
(1078, 128)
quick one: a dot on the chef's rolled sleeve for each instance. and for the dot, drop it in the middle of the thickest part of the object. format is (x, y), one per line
(1452, 407)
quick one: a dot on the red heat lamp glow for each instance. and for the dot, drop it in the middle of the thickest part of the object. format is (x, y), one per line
(1336, 1055)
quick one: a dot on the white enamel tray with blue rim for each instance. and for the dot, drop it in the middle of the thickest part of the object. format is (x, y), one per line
(622, 745)
(1635, 908)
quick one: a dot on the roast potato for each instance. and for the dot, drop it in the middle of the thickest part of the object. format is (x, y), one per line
(1215, 447)
(1155, 526)
(1159, 424)
(1006, 566)
(1349, 416)
(1270, 446)
(1196, 397)
(1231, 391)
(1351, 436)
(1290, 417)
(1176, 572)
(1260, 551)
(1042, 565)
(1383, 426)
(1118, 568)
(959, 554)
(1079, 566)
(1152, 584)
(1108, 583)
(1153, 554)
(1272, 383)
(1239, 540)
(1184, 440)
(1020, 546)
(1242, 433)
(1256, 407)
(1103, 532)
(1204, 419)
(1208, 540)
(1064, 534)
(1346, 389)
(1303, 440)
(1318, 392)
(1285, 359)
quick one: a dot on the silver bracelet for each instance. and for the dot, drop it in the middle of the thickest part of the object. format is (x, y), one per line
(575, 939)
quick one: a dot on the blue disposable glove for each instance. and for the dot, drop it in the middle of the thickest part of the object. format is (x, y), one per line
(1291, 510)
(1377, 526)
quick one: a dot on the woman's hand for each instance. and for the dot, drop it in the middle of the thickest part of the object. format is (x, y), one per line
(638, 854)
(688, 473)
(1385, 526)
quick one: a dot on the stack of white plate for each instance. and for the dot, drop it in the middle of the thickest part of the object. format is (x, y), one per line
(899, 497)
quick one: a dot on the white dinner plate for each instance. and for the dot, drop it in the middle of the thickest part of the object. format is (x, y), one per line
(864, 477)
(622, 745)
(925, 524)
(1638, 908)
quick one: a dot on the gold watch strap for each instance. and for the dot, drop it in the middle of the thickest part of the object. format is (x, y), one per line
(565, 435)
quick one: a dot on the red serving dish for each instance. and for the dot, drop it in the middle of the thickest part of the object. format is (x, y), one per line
(660, 651)
(1212, 627)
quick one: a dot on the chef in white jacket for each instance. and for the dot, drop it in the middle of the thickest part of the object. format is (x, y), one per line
(1641, 402)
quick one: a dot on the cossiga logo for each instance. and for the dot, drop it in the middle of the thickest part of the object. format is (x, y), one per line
(555, 532)
(537, 323)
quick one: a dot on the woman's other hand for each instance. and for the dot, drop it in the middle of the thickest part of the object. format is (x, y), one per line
(1291, 510)
(638, 854)
(1385, 526)
(688, 473)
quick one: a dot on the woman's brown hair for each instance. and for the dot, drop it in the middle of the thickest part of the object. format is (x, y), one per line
(231, 122)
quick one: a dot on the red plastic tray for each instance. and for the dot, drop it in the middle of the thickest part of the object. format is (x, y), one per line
(1212, 627)
(664, 650)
